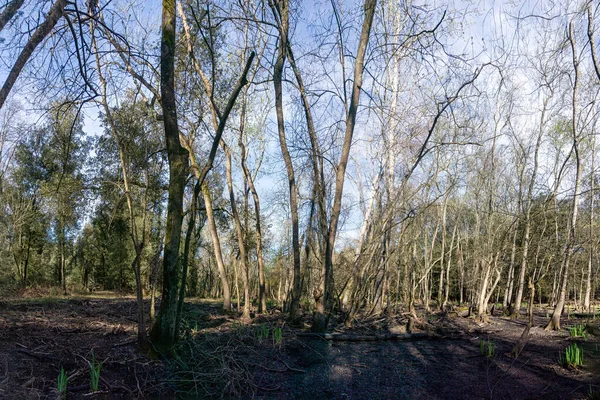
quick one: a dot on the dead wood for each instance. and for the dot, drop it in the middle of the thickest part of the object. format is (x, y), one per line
(39, 356)
(367, 338)
(518, 348)
(125, 343)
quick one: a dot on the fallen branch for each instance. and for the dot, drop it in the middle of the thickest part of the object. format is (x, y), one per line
(367, 338)
(39, 356)
(291, 368)
(125, 343)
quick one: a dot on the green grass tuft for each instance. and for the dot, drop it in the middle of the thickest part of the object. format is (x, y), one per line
(62, 383)
(487, 348)
(95, 374)
(577, 331)
(573, 356)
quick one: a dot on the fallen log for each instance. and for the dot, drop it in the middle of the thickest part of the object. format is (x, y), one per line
(343, 337)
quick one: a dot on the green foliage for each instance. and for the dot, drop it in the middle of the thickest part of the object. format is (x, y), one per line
(271, 303)
(577, 331)
(262, 332)
(61, 384)
(573, 356)
(277, 335)
(94, 374)
(487, 348)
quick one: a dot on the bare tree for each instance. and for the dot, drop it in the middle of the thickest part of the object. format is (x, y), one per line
(554, 322)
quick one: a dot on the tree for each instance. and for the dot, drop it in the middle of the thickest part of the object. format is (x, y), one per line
(324, 292)
(163, 334)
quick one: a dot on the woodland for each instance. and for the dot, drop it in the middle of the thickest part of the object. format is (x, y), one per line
(299, 199)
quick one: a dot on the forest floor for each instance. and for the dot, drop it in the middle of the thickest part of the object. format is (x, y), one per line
(220, 356)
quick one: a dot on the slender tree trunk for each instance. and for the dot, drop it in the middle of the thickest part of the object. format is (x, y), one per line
(554, 322)
(9, 11)
(262, 296)
(63, 276)
(56, 12)
(138, 244)
(322, 297)
(448, 264)
(185, 256)
(588, 281)
(163, 332)
(240, 237)
(212, 226)
(440, 296)
(528, 205)
(506, 303)
(280, 11)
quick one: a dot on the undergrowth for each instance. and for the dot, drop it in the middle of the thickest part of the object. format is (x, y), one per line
(223, 364)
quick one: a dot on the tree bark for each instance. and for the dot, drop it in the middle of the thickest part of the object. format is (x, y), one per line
(9, 12)
(163, 333)
(56, 12)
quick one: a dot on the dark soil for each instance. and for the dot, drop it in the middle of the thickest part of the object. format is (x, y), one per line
(220, 356)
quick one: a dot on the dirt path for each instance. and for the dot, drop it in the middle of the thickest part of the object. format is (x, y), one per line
(222, 357)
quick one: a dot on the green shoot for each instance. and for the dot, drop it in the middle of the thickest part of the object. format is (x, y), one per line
(62, 383)
(573, 356)
(277, 335)
(95, 374)
(577, 331)
(263, 332)
(487, 348)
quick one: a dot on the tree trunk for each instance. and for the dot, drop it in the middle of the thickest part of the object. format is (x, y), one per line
(56, 12)
(322, 298)
(62, 262)
(448, 264)
(262, 295)
(588, 281)
(9, 12)
(163, 332)
(280, 11)
(507, 301)
(554, 322)
(440, 294)
(240, 237)
(212, 226)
